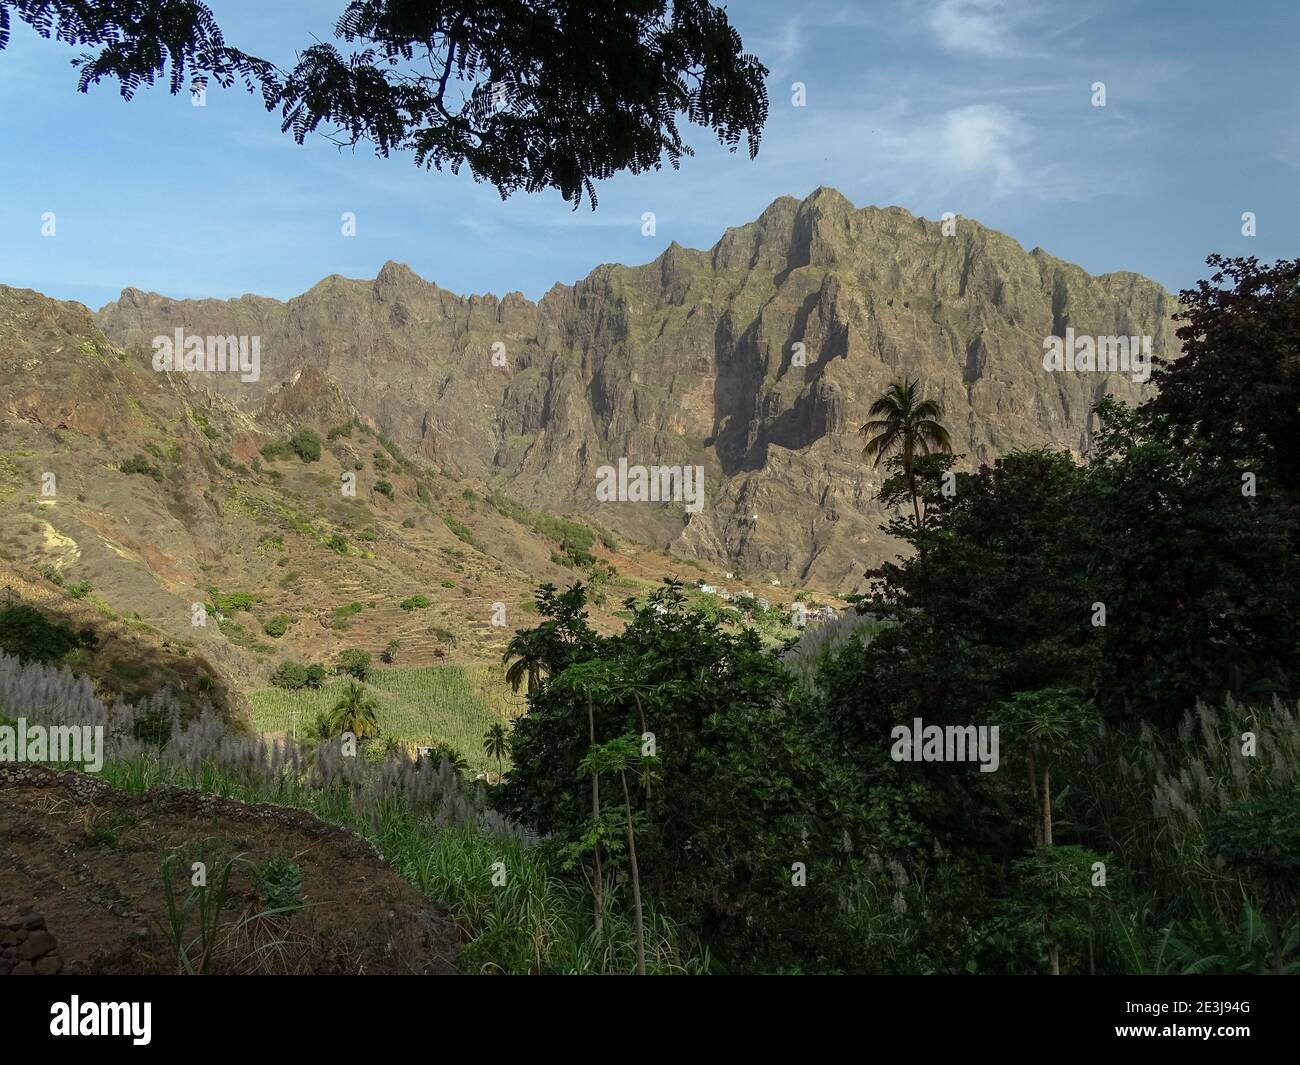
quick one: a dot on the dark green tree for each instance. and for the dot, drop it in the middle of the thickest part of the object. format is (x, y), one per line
(745, 784)
(355, 663)
(1235, 389)
(528, 94)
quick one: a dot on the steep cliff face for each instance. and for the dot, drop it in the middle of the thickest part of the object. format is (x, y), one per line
(757, 360)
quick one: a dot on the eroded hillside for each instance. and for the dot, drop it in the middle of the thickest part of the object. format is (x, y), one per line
(756, 359)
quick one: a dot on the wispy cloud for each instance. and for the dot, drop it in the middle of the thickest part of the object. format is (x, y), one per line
(780, 50)
(980, 144)
(977, 27)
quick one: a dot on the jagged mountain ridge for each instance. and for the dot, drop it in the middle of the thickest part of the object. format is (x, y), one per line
(690, 359)
(128, 496)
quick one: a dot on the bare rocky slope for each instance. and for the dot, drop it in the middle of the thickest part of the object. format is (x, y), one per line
(128, 498)
(691, 359)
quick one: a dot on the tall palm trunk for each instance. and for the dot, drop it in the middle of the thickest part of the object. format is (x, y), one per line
(910, 470)
(1037, 824)
(599, 889)
(1047, 805)
(636, 880)
(640, 711)
(1045, 797)
(1275, 921)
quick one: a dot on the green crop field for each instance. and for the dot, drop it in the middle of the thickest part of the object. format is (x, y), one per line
(453, 704)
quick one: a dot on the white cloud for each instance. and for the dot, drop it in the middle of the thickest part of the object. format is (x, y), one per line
(985, 139)
(979, 27)
(976, 144)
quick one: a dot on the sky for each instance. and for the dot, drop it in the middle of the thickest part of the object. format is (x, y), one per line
(984, 108)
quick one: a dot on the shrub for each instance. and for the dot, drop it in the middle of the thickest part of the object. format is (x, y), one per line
(306, 444)
(415, 602)
(230, 602)
(29, 634)
(463, 532)
(315, 675)
(290, 675)
(574, 538)
(79, 590)
(204, 425)
(276, 449)
(139, 464)
(277, 626)
(355, 662)
(393, 450)
(154, 725)
(384, 488)
(1259, 841)
(343, 613)
(338, 542)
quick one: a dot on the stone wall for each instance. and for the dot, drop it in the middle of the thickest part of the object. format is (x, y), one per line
(27, 948)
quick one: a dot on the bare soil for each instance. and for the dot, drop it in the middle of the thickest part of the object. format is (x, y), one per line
(89, 858)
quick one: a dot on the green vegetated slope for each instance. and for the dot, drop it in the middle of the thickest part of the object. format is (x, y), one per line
(428, 705)
(244, 540)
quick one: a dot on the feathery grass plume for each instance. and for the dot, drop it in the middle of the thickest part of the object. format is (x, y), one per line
(1157, 810)
(434, 826)
(817, 643)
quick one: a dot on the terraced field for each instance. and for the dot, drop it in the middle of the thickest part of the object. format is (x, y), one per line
(453, 704)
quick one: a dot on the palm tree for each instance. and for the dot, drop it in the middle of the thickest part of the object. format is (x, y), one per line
(496, 743)
(902, 422)
(527, 651)
(355, 712)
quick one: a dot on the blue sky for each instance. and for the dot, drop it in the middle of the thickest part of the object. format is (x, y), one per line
(980, 107)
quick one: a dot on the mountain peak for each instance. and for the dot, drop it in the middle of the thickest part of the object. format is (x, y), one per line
(826, 197)
(395, 273)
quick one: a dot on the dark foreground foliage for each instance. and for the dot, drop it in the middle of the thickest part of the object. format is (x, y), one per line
(1131, 625)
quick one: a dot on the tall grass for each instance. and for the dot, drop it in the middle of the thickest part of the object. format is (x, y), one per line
(533, 922)
(1155, 795)
(437, 829)
(817, 643)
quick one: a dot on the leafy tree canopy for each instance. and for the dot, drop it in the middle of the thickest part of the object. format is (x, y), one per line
(530, 94)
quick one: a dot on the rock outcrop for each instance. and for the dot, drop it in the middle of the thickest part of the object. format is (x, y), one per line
(757, 360)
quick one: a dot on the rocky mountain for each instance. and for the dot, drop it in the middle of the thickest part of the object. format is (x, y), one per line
(155, 535)
(756, 360)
